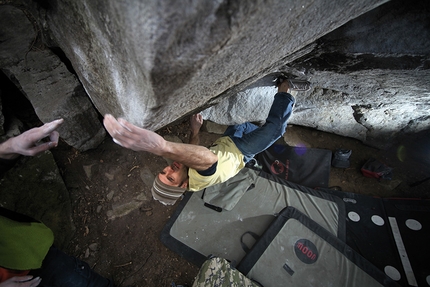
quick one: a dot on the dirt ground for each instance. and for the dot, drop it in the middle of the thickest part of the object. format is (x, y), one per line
(128, 249)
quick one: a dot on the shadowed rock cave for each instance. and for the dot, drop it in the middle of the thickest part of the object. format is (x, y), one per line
(156, 64)
(369, 73)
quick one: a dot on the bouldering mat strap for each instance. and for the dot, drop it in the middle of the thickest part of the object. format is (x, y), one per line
(244, 246)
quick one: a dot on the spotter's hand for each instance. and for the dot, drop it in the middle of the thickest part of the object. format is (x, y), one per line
(21, 281)
(30, 142)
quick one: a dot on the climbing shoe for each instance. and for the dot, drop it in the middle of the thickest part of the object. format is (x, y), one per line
(340, 158)
(295, 84)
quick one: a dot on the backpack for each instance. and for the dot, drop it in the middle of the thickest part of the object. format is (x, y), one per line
(376, 169)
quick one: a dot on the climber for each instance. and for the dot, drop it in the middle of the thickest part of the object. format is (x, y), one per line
(196, 167)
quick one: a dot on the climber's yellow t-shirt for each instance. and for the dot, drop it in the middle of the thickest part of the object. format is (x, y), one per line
(230, 162)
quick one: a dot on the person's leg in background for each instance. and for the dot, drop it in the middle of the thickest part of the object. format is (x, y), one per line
(59, 269)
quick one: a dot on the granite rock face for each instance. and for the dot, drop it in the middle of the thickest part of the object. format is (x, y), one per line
(157, 61)
(370, 80)
(45, 81)
(56, 93)
(154, 62)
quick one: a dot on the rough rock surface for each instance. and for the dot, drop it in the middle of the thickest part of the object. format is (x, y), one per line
(365, 85)
(157, 61)
(1, 118)
(45, 80)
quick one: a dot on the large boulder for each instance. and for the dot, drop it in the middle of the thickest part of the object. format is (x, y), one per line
(156, 61)
(45, 80)
(370, 80)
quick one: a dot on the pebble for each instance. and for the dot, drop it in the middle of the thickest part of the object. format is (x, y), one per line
(94, 246)
(109, 176)
(87, 169)
(110, 195)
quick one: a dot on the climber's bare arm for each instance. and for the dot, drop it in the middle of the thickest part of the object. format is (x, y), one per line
(138, 139)
(196, 122)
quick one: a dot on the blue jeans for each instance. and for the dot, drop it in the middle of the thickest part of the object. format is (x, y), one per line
(60, 269)
(251, 139)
